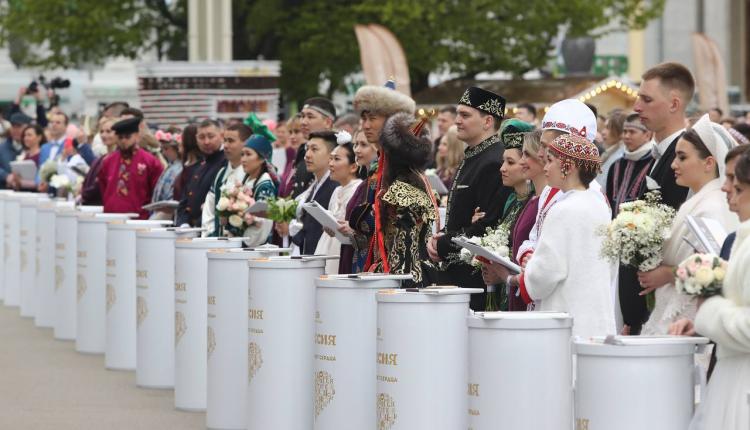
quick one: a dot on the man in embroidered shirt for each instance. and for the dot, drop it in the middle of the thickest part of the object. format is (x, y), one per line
(477, 187)
(235, 136)
(128, 176)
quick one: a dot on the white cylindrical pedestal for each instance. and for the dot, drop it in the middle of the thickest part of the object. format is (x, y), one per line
(191, 290)
(517, 357)
(66, 280)
(422, 356)
(226, 342)
(155, 334)
(281, 346)
(45, 281)
(91, 327)
(641, 383)
(345, 344)
(27, 254)
(3, 193)
(12, 273)
(121, 296)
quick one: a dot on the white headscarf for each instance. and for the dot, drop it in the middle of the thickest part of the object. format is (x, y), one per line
(717, 140)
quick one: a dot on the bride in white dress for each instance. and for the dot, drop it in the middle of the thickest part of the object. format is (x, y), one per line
(726, 320)
(698, 165)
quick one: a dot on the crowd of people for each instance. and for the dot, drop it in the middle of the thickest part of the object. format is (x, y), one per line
(551, 184)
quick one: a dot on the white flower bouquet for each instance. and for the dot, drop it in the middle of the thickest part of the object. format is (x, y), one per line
(231, 208)
(496, 240)
(636, 236)
(700, 275)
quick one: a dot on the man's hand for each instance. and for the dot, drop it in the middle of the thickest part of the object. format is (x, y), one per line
(282, 228)
(432, 247)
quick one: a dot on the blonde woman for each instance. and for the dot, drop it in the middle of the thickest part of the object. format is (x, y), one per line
(450, 153)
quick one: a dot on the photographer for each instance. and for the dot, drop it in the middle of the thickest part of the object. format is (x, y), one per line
(32, 89)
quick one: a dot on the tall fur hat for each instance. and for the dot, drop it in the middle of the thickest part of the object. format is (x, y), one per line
(383, 100)
(401, 145)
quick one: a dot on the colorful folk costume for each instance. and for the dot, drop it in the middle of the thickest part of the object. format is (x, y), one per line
(405, 206)
(566, 272)
(359, 256)
(511, 134)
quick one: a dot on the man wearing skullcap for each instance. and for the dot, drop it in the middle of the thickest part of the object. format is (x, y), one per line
(128, 176)
(477, 188)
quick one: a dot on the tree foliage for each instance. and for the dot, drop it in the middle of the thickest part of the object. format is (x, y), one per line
(315, 39)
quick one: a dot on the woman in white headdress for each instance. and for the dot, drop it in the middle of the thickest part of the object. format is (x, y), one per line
(698, 165)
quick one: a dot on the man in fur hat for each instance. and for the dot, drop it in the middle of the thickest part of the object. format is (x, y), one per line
(374, 105)
(477, 188)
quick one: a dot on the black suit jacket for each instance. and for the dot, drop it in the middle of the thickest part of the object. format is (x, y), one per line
(190, 209)
(671, 193)
(307, 238)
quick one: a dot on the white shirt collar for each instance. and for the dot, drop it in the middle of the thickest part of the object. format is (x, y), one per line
(663, 145)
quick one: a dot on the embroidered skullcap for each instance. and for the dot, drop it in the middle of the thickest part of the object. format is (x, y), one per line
(738, 136)
(578, 150)
(512, 133)
(485, 101)
(571, 116)
(321, 105)
(713, 138)
(383, 100)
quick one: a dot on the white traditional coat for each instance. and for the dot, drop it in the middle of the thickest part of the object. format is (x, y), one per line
(328, 245)
(708, 202)
(566, 272)
(726, 320)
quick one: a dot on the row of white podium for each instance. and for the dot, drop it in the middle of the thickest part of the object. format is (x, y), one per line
(264, 341)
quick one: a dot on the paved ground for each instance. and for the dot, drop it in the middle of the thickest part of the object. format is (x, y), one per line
(45, 384)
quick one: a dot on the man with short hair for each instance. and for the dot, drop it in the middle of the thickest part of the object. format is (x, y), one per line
(210, 137)
(235, 136)
(12, 148)
(317, 157)
(664, 94)
(348, 122)
(128, 176)
(477, 187)
(526, 112)
(318, 114)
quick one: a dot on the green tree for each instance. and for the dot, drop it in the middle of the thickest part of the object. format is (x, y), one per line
(314, 39)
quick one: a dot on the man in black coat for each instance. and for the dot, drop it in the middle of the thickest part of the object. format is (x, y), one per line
(665, 92)
(477, 187)
(210, 139)
(319, 147)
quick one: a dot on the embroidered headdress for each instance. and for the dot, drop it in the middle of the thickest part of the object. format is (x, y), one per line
(571, 116)
(483, 100)
(512, 133)
(577, 150)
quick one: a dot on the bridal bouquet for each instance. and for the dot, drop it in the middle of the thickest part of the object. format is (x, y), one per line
(700, 275)
(636, 236)
(231, 208)
(495, 240)
(281, 209)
